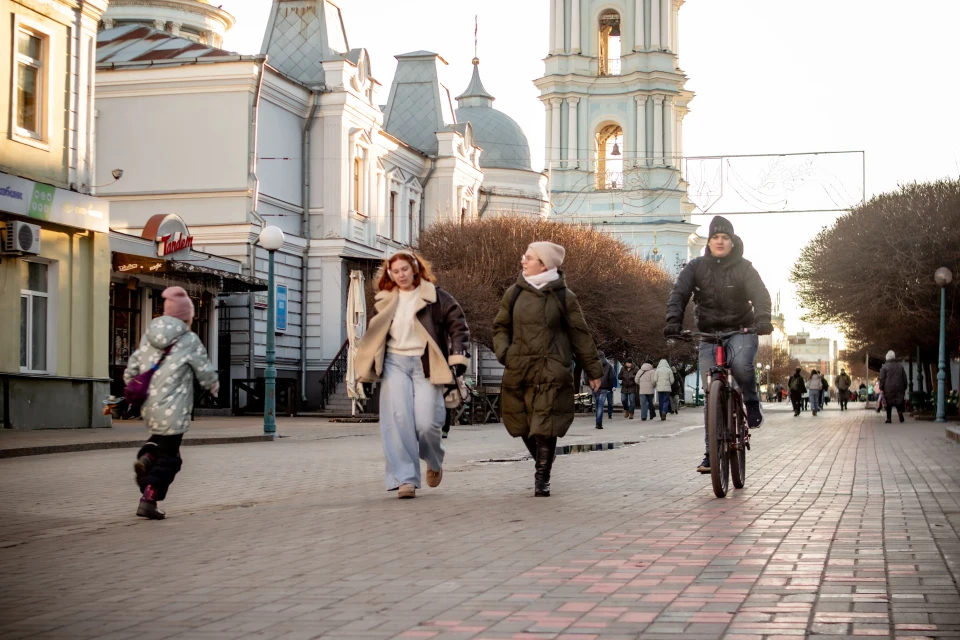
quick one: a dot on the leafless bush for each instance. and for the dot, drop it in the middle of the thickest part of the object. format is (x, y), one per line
(623, 297)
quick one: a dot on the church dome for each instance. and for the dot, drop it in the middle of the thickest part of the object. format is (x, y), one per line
(501, 138)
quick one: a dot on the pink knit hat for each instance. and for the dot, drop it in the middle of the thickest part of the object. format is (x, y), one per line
(177, 304)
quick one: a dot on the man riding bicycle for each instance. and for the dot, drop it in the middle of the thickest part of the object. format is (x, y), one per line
(729, 296)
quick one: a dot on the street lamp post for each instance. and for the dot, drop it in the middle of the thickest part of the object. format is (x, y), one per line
(271, 239)
(943, 277)
(769, 388)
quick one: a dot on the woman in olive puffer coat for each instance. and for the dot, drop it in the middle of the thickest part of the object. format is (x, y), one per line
(536, 334)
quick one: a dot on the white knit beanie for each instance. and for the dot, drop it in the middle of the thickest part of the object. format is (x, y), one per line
(550, 254)
(891, 355)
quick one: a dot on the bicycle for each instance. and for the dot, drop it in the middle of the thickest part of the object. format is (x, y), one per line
(728, 438)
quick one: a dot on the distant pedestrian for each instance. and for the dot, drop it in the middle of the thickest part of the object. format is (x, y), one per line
(178, 356)
(797, 387)
(605, 393)
(893, 384)
(815, 390)
(778, 390)
(843, 383)
(645, 389)
(663, 380)
(675, 390)
(416, 345)
(539, 327)
(628, 388)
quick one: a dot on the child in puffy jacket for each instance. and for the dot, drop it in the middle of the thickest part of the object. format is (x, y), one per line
(170, 343)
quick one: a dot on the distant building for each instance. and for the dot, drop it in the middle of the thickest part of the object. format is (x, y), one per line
(814, 353)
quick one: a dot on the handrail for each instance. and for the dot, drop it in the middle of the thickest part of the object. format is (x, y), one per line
(335, 373)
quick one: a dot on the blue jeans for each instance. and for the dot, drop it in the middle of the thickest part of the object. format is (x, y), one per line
(647, 406)
(629, 402)
(411, 418)
(741, 352)
(599, 398)
(815, 399)
(663, 397)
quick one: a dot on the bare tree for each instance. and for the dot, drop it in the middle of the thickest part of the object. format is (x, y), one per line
(623, 297)
(871, 273)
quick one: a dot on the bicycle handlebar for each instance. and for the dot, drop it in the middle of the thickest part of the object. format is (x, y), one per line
(717, 336)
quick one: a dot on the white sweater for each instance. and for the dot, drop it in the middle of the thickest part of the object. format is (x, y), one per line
(404, 340)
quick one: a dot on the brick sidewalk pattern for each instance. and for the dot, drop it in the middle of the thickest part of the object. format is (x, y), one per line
(847, 528)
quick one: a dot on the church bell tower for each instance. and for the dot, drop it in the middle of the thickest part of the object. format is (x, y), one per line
(615, 101)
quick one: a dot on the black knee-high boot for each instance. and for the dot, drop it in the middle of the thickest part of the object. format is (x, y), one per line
(530, 442)
(546, 451)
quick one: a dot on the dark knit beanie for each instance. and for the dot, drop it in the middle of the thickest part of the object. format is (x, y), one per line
(719, 224)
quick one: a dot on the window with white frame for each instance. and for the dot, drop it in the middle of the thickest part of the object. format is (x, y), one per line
(393, 215)
(29, 81)
(34, 313)
(410, 214)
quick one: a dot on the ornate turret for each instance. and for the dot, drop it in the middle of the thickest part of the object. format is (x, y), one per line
(195, 20)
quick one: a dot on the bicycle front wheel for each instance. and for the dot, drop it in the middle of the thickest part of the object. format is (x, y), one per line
(717, 444)
(738, 446)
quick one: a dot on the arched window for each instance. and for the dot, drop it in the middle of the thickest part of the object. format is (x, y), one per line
(609, 43)
(609, 157)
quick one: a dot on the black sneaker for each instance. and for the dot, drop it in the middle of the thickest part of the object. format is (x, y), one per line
(705, 465)
(754, 415)
(599, 425)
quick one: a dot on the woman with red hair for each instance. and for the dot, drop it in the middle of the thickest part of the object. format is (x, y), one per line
(415, 345)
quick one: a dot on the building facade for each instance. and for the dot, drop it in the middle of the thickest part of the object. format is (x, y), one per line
(54, 250)
(615, 99)
(814, 353)
(294, 137)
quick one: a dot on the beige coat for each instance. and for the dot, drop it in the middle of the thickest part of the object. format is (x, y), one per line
(373, 345)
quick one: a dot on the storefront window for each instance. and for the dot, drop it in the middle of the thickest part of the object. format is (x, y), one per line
(124, 322)
(34, 302)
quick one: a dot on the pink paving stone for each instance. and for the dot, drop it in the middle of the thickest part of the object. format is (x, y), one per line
(588, 624)
(533, 636)
(617, 610)
(916, 627)
(638, 616)
(659, 597)
(578, 607)
(418, 634)
(604, 587)
(494, 614)
(577, 636)
(644, 582)
(468, 629)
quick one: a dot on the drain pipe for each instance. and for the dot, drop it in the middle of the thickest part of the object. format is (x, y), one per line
(253, 138)
(423, 190)
(486, 203)
(305, 231)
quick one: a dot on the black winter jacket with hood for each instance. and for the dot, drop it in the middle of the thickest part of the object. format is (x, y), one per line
(728, 292)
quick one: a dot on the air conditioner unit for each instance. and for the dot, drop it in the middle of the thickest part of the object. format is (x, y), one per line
(22, 238)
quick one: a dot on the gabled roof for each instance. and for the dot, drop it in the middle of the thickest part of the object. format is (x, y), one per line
(301, 34)
(419, 105)
(138, 43)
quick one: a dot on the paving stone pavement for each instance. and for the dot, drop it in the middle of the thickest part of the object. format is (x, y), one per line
(847, 528)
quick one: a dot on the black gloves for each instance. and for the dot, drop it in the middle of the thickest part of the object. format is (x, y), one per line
(459, 370)
(764, 328)
(672, 330)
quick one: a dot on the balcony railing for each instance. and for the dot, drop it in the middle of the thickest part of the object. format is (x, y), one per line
(610, 67)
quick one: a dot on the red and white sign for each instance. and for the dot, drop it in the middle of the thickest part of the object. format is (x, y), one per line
(170, 233)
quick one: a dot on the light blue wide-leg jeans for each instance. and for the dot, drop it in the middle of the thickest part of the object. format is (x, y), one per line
(411, 420)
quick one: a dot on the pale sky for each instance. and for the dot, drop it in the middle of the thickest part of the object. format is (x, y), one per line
(771, 77)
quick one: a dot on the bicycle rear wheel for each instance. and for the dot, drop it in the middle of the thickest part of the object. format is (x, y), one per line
(738, 450)
(717, 437)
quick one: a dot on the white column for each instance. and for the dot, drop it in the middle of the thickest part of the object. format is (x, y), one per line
(553, 27)
(655, 25)
(548, 135)
(560, 42)
(641, 130)
(575, 27)
(555, 130)
(676, 26)
(669, 120)
(572, 147)
(639, 33)
(680, 114)
(666, 9)
(658, 130)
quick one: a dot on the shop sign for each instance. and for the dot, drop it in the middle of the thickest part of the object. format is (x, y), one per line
(47, 203)
(260, 300)
(170, 233)
(281, 308)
